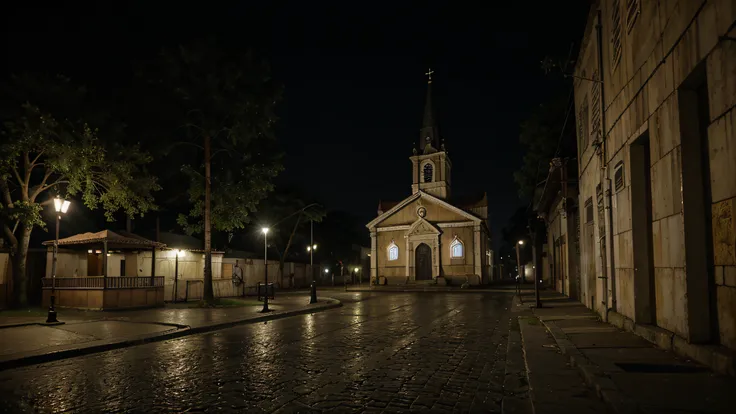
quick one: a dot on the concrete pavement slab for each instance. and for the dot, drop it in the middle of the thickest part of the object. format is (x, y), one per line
(630, 373)
(123, 329)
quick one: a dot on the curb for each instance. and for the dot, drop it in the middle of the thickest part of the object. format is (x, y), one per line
(436, 290)
(595, 377)
(69, 351)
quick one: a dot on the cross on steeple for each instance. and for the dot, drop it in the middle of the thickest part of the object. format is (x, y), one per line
(429, 75)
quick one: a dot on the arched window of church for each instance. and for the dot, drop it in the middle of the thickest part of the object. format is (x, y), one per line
(456, 248)
(393, 251)
(427, 173)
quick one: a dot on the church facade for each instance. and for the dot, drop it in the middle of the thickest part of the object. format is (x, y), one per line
(431, 236)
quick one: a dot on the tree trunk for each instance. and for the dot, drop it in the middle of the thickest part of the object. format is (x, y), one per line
(20, 277)
(209, 296)
(286, 250)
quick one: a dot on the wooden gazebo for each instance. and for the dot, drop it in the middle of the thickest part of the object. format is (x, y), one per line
(93, 286)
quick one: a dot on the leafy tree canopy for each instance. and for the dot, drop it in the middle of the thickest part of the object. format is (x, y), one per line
(48, 150)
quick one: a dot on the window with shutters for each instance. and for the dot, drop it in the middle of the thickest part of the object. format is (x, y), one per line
(618, 176)
(633, 8)
(595, 110)
(583, 126)
(589, 210)
(616, 44)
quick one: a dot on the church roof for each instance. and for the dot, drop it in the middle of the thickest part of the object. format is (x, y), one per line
(467, 203)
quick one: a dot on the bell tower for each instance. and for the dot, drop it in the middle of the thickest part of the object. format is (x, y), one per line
(430, 163)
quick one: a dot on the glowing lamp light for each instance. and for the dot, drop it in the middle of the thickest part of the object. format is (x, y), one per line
(90, 251)
(521, 242)
(355, 270)
(264, 230)
(327, 270)
(61, 206)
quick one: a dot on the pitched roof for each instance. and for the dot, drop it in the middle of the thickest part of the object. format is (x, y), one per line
(464, 202)
(119, 239)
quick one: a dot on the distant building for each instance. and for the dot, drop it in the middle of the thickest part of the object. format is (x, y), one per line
(430, 236)
(655, 91)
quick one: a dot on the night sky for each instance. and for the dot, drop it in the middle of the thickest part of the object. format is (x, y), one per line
(353, 74)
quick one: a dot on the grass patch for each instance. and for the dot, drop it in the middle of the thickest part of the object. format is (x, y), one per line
(227, 303)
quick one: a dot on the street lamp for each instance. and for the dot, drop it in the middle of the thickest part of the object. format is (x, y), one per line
(356, 270)
(518, 262)
(265, 268)
(327, 271)
(61, 207)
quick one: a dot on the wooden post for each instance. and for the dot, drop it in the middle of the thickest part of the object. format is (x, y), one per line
(104, 264)
(153, 266)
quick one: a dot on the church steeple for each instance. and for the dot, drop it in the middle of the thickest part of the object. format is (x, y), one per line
(429, 134)
(430, 163)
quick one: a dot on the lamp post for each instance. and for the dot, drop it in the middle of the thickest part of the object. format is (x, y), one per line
(327, 271)
(518, 264)
(312, 247)
(265, 268)
(358, 275)
(61, 207)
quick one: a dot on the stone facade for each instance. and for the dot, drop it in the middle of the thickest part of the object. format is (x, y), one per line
(423, 219)
(655, 89)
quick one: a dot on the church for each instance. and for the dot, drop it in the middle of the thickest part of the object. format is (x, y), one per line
(431, 237)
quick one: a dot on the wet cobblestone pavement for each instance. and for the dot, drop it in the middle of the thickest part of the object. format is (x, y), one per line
(378, 353)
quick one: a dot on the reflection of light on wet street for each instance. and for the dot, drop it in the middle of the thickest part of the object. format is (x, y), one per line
(388, 346)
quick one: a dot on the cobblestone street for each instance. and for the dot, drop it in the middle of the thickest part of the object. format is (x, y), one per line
(379, 352)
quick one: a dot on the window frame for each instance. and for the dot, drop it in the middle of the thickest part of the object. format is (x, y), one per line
(390, 247)
(454, 243)
(425, 165)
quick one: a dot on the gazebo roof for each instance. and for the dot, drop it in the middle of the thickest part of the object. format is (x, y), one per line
(119, 239)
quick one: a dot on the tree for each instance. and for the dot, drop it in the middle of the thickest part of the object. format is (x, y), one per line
(541, 137)
(226, 106)
(45, 154)
(294, 214)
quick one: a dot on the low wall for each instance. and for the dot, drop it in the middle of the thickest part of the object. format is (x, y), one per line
(106, 299)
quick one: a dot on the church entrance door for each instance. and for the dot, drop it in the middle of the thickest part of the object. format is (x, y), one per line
(423, 260)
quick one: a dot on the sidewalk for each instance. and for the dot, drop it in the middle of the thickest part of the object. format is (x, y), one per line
(26, 340)
(628, 372)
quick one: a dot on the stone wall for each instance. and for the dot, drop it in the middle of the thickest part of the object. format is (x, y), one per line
(669, 49)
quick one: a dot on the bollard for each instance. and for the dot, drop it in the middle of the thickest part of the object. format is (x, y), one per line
(313, 296)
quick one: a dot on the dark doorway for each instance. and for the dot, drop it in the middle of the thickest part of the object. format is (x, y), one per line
(423, 261)
(641, 231)
(697, 207)
(122, 267)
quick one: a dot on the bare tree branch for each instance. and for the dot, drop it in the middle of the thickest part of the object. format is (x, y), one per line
(40, 188)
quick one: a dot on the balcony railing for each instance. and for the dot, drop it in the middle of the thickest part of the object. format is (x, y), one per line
(98, 282)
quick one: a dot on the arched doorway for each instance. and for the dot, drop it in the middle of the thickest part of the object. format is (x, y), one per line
(423, 262)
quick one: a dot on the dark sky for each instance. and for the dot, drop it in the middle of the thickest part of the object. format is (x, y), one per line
(353, 75)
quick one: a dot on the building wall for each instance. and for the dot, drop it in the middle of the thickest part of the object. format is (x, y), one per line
(562, 256)
(435, 214)
(646, 95)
